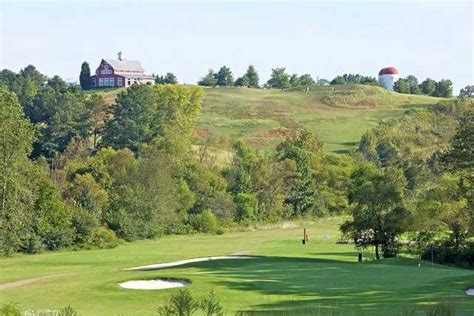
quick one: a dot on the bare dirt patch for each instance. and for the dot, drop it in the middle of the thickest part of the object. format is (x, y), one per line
(15, 284)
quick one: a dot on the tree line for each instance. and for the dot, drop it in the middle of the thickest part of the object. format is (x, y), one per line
(281, 79)
(78, 172)
(410, 85)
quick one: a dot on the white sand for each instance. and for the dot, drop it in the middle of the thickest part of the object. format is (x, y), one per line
(470, 292)
(182, 262)
(153, 284)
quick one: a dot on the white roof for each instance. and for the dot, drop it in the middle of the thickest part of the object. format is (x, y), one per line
(125, 65)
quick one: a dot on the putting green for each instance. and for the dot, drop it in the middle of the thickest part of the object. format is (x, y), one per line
(287, 276)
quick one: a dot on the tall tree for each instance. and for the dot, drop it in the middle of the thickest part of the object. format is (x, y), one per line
(252, 76)
(242, 81)
(306, 80)
(444, 88)
(294, 80)
(170, 78)
(401, 86)
(279, 78)
(428, 86)
(209, 80)
(85, 76)
(467, 92)
(302, 154)
(224, 77)
(16, 136)
(145, 112)
(97, 112)
(379, 215)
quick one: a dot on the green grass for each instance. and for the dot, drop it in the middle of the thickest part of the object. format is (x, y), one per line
(286, 276)
(339, 115)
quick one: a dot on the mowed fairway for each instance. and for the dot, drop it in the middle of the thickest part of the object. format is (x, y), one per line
(285, 276)
(339, 115)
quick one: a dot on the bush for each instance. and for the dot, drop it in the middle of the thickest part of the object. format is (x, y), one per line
(181, 303)
(245, 203)
(67, 311)
(103, 238)
(445, 252)
(32, 244)
(211, 306)
(10, 309)
(205, 222)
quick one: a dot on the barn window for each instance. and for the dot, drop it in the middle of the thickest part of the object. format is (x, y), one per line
(119, 81)
(111, 81)
(101, 82)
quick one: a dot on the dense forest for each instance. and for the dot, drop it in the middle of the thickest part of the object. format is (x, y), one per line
(78, 172)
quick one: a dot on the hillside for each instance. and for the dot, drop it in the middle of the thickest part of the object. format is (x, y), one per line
(339, 115)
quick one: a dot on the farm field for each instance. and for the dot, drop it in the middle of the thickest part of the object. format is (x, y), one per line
(285, 275)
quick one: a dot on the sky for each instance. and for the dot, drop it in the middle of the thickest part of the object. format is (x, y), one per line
(325, 39)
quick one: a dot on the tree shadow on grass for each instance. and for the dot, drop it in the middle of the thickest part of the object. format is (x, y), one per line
(302, 283)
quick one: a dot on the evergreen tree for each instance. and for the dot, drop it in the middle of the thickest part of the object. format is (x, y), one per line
(242, 81)
(85, 76)
(279, 78)
(224, 77)
(209, 80)
(170, 78)
(252, 76)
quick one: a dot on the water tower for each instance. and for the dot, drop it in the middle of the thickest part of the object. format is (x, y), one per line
(388, 76)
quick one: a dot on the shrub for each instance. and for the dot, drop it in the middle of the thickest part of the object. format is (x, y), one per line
(245, 203)
(211, 306)
(445, 252)
(67, 311)
(181, 303)
(103, 238)
(10, 309)
(32, 244)
(205, 222)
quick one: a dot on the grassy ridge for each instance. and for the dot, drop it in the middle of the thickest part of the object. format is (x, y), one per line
(339, 114)
(288, 276)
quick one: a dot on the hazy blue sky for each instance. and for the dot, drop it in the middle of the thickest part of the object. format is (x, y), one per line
(427, 39)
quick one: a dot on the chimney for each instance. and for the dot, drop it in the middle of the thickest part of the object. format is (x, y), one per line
(119, 55)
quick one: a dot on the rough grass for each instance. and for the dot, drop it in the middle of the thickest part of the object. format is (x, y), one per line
(339, 115)
(288, 276)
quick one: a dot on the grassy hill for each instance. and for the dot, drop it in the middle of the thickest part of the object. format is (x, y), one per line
(339, 115)
(286, 275)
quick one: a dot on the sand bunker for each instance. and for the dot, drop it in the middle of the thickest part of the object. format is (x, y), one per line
(470, 292)
(182, 262)
(157, 284)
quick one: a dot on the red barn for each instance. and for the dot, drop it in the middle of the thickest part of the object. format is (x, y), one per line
(120, 73)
